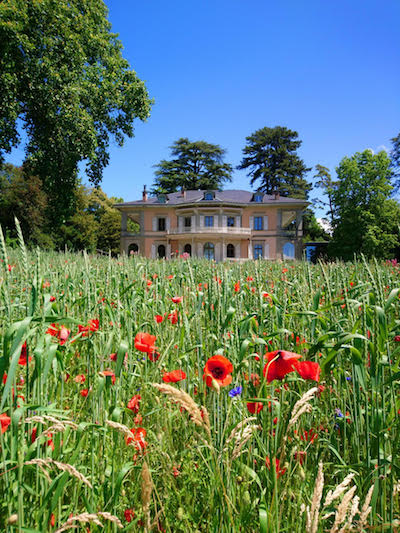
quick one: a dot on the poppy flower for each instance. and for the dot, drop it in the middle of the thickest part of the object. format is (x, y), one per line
(173, 317)
(154, 356)
(80, 378)
(279, 471)
(218, 368)
(60, 332)
(174, 376)
(129, 515)
(108, 374)
(94, 324)
(5, 421)
(23, 358)
(177, 299)
(237, 286)
(52, 298)
(300, 456)
(144, 342)
(137, 439)
(308, 370)
(134, 403)
(84, 392)
(158, 318)
(279, 364)
(254, 407)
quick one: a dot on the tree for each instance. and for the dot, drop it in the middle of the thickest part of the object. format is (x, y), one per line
(395, 159)
(22, 196)
(270, 156)
(365, 219)
(327, 185)
(63, 75)
(195, 165)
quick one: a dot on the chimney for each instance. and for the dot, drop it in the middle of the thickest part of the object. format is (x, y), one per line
(144, 194)
(277, 195)
(183, 191)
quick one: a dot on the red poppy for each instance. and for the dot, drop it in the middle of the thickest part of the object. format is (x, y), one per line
(300, 456)
(174, 376)
(61, 332)
(218, 368)
(129, 515)
(52, 298)
(173, 317)
(237, 286)
(110, 374)
(80, 378)
(279, 471)
(94, 324)
(177, 299)
(144, 342)
(154, 356)
(23, 357)
(137, 439)
(308, 370)
(84, 392)
(5, 421)
(158, 318)
(134, 403)
(279, 364)
(254, 407)
(52, 520)
(33, 435)
(4, 378)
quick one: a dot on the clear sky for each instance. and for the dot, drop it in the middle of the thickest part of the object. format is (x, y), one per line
(218, 70)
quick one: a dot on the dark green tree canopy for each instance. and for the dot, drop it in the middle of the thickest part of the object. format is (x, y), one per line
(195, 165)
(365, 219)
(63, 75)
(395, 159)
(270, 156)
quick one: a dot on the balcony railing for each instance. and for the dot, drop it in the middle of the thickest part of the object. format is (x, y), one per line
(206, 229)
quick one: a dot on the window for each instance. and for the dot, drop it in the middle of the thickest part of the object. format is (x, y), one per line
(162, 198)
(188, 222)
(288, 250)
(258, 251)
(258, 223)
(209, 195)
(230, 222)
(161, 224)
(209, 250)
(258, 197)
(209, 221)
(161, 251)
(187, 249)
(230, 250)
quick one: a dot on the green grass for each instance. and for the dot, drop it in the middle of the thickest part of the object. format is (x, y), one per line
(345, 317)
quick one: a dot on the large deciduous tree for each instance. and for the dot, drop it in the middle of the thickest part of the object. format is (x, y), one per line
(365, 218)
(194, 165)
(271, 158)
(63, 75)
(395, 159)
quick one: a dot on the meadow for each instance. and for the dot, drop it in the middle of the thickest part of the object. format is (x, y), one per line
(189, 396)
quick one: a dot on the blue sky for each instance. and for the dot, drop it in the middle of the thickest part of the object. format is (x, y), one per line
(218, 70)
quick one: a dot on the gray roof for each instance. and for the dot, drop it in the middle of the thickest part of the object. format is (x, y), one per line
(233, 196)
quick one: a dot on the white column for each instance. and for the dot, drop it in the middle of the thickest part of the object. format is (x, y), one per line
(199, 249)
(153, 251)
(180, 224)
(238, 224)
(252, 223)
(223, 250)
(167, 223)
(218, 251)
(168, 251)
(265, 222)
(201, 221)
(250, 250)
(154, 226)
(266, 250)
(193, 223)
(224, 221)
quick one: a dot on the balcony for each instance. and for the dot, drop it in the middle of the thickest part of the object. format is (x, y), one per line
(207, 230)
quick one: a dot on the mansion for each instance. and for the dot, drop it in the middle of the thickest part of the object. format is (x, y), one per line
(220, 225)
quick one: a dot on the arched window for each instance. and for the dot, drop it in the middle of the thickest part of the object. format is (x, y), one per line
(230, 250)
(161, 251)
(288, 250)
(187, 249)
(133, 249)
(209, 195)
(209, 250)
(258, 251)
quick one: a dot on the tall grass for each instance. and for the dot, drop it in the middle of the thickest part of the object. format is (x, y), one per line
(189, 478)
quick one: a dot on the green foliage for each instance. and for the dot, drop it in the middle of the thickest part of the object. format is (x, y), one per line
(195, 165)
(327, 185)
(365, 219)
(63, 74)
(312, 231)
(270, 156)
(395, 159)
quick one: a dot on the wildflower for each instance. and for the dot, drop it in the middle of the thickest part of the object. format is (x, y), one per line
(137, 439)
(52, 520)
(279, 471)
(154, 356)
(174, 376)
(60, 332)
(236, 391)
(134, 403)
(254, 407)
(108, 374)
(173, 317)
(218, 369)
(158, 318)
(175, 471)
(279, 364)
(237, 286)
(129, 515)
(177, 299)
(80, 378)
(23, 358)
(397, 338)
(5, 421)
(308, 370)
(84, 392)
(144, 342)
(300, 456)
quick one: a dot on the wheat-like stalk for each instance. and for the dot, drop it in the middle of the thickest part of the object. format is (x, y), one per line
(146, 490)
(243, 438)
(86, 518)
(64, 467)
(299, 409)
(342, 509)
(186, 401)
(365, 510)
(238, 429)
(122, 429)
(332, 495)
(313, 514)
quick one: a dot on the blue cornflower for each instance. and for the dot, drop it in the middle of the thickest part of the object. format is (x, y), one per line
(339, 413)
(235, 391)
(348, 378)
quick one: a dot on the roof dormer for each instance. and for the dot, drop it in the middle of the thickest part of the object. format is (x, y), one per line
(209, 196)
(162, 198)
(258, 197)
